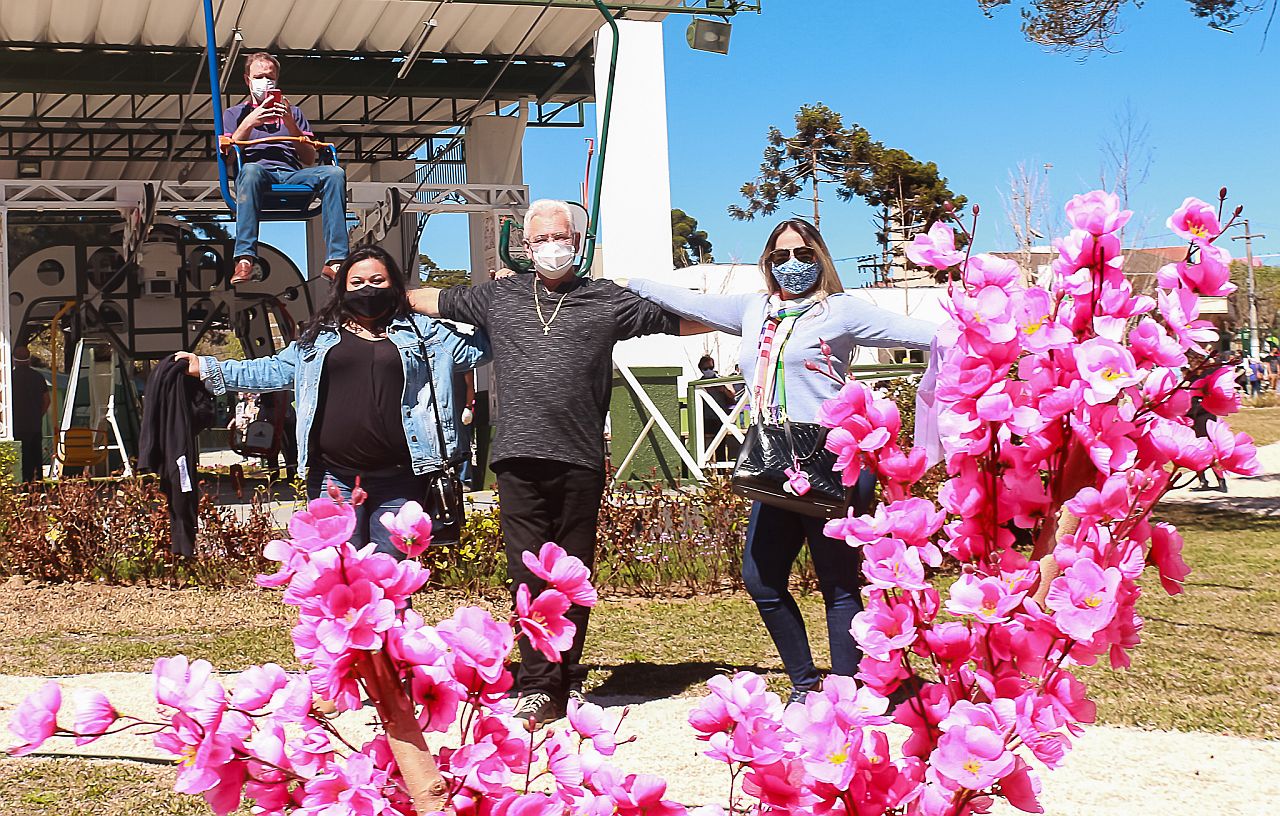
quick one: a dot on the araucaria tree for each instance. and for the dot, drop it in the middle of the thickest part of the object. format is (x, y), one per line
(689, 245)
(1087, 25)
(909, 194)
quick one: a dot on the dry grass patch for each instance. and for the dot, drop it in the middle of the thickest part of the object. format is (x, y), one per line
(1263, 424)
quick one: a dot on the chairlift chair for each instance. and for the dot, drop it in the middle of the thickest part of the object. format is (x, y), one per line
(282, 202)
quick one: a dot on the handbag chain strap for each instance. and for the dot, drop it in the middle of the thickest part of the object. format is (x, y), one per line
(435, 404)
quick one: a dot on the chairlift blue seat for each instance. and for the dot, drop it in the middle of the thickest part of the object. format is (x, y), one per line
(281, 202)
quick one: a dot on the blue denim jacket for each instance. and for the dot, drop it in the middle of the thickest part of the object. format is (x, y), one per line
(298, 366)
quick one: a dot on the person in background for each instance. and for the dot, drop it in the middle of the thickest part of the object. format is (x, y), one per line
(266, 114)
(724, 397)
(553, 335)
(1200, 417)
(1256, 374)
(364, 371)
(30, 404)
(782, 330)
(465, 386)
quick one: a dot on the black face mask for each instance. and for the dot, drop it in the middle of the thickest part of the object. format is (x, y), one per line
(370, 302)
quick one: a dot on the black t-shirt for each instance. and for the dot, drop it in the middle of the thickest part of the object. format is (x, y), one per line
(29, 389)
(554, 379)
(357, 426)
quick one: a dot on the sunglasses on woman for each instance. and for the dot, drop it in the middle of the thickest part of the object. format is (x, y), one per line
(802, 254)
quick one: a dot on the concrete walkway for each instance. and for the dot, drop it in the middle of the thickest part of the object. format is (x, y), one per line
(1255, 494)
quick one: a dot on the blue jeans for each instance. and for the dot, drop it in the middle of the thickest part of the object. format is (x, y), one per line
(328, 180)
(387, 494)
(774, 539)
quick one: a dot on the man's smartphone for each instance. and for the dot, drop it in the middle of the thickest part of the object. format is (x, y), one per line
(270, 99)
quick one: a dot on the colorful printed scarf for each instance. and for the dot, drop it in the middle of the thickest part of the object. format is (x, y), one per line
(769, 392)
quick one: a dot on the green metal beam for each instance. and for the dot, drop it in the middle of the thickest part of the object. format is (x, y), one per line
(730, 6)
(97, 72)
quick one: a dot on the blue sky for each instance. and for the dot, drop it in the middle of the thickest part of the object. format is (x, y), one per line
(938, 79)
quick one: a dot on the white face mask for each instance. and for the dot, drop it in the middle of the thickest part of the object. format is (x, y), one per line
(554, 259)
(258, 86)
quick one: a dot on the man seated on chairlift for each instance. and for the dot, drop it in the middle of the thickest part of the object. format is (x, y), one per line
(268, 114)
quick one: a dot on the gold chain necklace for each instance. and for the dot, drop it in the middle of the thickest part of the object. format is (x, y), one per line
(546, 324)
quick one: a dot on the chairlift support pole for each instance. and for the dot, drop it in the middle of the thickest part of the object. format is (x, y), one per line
(215, 102)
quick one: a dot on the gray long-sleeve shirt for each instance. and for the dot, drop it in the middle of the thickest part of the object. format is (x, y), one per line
(844, 321)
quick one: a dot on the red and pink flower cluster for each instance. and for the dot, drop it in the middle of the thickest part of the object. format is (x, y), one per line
(1063, 415)
(260, 738)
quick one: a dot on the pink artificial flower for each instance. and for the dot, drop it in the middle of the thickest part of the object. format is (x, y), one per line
(36, 718)
(1152, 346)
(1176, 442)
(641, 795)
(1166, 554)
(204, 756)
(410, 528)
(1233, 453)
(935, 249)
(1111, 503)
(987, 598)
(990, 270)
(1084, 599)
(730, 701)
(94, 715)
(593, 723)
(890, 564)
(1097, 212)
(478, 645)
(542, 620)
(189, 687)
(1040, 332)
(1218, 393)
(1021, 787)
(562, 572)
(1195, 221)
(354, 788)
(527, 804)
(1106, 368)
(325, 523)
(354, 617)
(255, 686)
(972, 751)
(904, 468)
(1180, 309)
(880, 629)
(849, 403)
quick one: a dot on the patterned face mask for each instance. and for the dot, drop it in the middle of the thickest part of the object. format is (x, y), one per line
(795, 277)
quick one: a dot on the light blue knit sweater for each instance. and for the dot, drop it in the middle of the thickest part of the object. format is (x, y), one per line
(844, 321)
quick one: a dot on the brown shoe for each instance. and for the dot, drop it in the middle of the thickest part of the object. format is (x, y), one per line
(243, 271)
(330, 269)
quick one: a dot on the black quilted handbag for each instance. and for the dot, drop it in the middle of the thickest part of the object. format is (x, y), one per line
(769, 450)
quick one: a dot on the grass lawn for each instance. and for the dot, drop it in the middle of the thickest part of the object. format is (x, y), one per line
(1210, 658)
(1263, 424)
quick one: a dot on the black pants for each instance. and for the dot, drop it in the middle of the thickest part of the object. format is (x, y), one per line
(32, 455)
(543, 501)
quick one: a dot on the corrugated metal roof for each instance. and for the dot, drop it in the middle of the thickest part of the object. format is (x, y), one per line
(369, 26)
(102, 88)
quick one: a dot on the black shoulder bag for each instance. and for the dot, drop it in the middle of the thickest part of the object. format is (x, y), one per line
(769, 450)
(444, 501)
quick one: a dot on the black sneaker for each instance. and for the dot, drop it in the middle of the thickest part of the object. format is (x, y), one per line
(576, 694)
(798, 696)
(536, 709)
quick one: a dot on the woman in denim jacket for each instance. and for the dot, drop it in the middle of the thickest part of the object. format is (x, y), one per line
(359, 372)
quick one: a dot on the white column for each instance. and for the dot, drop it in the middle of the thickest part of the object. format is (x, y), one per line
(635, 202)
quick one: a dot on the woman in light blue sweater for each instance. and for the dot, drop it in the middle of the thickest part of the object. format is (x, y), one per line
(805, 306)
